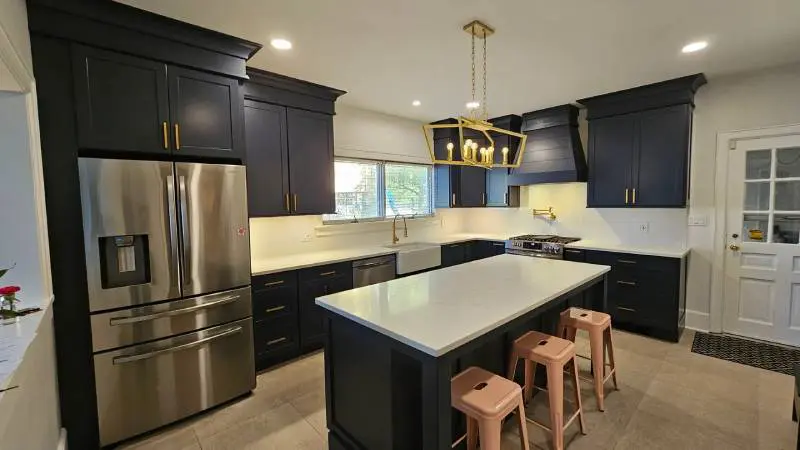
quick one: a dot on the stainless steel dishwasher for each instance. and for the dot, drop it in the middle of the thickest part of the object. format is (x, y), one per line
(374, 270)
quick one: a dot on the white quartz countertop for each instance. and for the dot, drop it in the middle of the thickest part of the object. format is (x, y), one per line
(311, 259)
(15, 337)
(667, 252)
(440, 310)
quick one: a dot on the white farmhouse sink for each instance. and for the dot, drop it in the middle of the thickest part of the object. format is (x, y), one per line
(416, 256)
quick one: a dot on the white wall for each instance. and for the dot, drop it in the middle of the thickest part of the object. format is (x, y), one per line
(747, 101)
(20, 231)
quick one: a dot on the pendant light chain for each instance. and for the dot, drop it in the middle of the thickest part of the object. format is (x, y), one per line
(485, 111)
(473, 63)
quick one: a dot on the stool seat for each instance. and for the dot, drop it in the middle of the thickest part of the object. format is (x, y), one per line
(584, 318)
(543, 348)
(479, 393)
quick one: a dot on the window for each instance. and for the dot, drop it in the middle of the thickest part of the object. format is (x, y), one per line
(375, 190)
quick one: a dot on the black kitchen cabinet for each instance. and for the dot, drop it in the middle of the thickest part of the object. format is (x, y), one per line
(646, 293)
(317, 282)
(275, 319)
(289, 132)
(129, 104)
(574, 254)
(311, 162)
(498, 192)
(268, 150)
(121, 102)
(639, 144)
(497, 247)
(481, 249)
(454, 254)
(206, 114)
(456, 186)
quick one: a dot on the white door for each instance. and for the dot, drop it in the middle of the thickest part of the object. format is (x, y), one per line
(762, 261)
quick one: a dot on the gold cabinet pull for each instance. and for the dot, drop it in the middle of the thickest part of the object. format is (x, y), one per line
(483, 198)
(288, 208)
(626, 309)
(165, 133)
(275, 309)
(454, 199)
(627, 283)
(626, 196)
(295, 202)
(177, 137)
(274, 283)
(276, 341)
(634, 196)
(332, 272)
(626, 261)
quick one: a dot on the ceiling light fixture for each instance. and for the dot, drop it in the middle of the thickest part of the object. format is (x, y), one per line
(416, 103)
(476, 136)
(281, 44)
(694, 47)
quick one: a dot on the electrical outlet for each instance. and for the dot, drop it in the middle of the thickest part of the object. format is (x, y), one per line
(644, 227)
(307, 237)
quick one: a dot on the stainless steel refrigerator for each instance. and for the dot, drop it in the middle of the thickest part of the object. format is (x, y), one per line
(168, 269)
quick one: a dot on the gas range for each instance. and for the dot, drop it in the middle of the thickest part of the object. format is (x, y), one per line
(539, 245)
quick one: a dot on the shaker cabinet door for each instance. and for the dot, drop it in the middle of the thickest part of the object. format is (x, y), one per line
(267, 159)
(661, 162)
(472, 187)
(121, 102)
(206, 113)
(611, 148)
(311, 162)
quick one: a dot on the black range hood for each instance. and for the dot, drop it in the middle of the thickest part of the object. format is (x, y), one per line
(553, 153)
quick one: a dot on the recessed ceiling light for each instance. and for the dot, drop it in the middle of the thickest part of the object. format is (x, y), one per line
(694, 47)
(281, 44)
(473, 105)
(416, 103)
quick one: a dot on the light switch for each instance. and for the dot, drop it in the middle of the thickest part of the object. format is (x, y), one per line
(698, 221)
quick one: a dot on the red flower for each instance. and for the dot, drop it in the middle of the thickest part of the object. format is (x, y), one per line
(9, 290)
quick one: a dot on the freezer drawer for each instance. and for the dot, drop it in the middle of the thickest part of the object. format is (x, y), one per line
(144, 387)
(146, 323)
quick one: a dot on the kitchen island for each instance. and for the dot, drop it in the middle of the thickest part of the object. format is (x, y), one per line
(393, 347)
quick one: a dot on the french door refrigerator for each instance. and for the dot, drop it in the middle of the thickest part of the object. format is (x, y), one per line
(168, 269)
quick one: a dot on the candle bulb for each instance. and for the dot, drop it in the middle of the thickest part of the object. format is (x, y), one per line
(490, 155)
(483, 155)
(474, 151)
(505, 155)
(450, 151)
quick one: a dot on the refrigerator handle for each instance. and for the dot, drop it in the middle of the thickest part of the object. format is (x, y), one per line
(186, 234)
(173, 224)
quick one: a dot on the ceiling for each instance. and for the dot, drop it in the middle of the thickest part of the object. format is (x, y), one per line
(544, 53)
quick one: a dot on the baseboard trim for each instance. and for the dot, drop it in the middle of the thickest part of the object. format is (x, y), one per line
(698, 321)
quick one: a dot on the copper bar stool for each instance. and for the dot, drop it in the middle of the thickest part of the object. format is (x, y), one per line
(555, 353)
(486, 399)
(598, 325)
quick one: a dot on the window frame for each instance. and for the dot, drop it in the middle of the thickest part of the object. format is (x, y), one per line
(381, 184)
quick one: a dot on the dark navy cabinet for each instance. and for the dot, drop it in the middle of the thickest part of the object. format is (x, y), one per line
(317, 282)
(275, 329)
(639, 144)
(646, 294)
(289, 145)
(454, 254)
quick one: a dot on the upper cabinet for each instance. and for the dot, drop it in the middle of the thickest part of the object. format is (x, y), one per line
(639, 144)
(289, 141)
(130, 104)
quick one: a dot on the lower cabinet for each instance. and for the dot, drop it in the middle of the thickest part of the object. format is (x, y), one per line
(646, 294)
(316, 282)
(461, 252)
(454, 254)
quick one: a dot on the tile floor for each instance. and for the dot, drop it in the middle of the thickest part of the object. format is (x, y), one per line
(669, 398)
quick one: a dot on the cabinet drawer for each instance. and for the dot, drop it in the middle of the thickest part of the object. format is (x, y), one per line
(572, 254)
(327, 271)
(272, 281)
(275, 303)
(271, 336)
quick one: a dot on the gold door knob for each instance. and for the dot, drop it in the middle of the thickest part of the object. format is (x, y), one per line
(734, 247)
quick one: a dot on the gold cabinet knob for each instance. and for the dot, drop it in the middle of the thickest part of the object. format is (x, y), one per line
(734, 247)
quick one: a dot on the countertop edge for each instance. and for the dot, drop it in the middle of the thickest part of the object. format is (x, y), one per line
(614, 248)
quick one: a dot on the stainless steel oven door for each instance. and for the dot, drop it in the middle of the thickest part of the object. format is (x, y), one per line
(143, 387)
(146, 323)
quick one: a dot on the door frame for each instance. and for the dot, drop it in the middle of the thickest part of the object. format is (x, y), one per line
(726, 141)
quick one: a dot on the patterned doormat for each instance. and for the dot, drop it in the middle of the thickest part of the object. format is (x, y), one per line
(743, 351)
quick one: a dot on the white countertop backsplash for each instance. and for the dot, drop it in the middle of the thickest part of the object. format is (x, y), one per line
(440, 310)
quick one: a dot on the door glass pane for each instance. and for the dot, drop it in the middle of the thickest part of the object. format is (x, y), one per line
(787, 196)
(786, 228)
(788, 162)
(756, 196)
(758, 164)
(754, 227)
